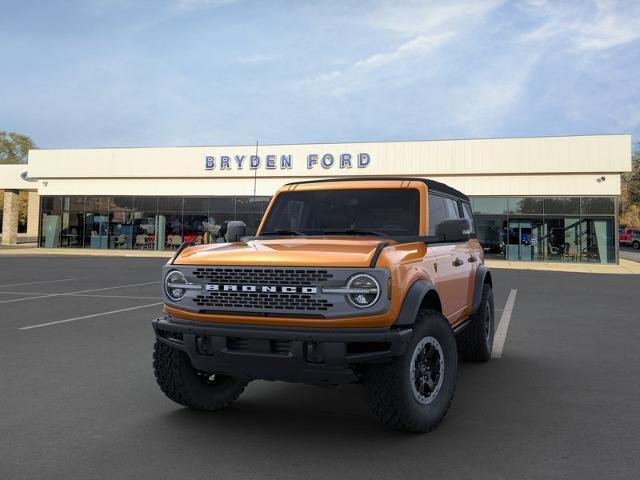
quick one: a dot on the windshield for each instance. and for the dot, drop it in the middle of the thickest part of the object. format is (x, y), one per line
(387, 212)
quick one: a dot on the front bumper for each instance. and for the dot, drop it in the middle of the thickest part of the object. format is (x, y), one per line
(307, 355)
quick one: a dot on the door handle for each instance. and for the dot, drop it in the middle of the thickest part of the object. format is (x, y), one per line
(473, 258)
(457, 262)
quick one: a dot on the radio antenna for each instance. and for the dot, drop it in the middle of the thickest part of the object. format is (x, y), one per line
(255, 174)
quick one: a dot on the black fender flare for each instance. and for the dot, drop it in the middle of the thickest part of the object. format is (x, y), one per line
(482, 275)
(412, 301)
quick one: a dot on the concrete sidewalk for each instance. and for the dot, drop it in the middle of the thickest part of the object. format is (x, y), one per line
(626, 267)
(24, 250)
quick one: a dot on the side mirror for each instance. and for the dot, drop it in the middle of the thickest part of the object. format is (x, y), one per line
(236, 229)
(454, 230)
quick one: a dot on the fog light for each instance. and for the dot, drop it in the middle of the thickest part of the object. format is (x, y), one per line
(314, 352)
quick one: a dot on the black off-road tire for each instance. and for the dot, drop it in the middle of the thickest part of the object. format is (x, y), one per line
(390, 387)
(636, 245)
(475, 341)
(187, 386)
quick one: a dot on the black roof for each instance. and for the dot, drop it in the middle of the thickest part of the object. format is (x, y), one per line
(432, 185)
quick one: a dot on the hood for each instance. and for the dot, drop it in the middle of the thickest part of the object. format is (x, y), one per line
(295, 252)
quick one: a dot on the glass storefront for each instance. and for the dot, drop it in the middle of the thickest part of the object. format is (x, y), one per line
(156, 223)
(563, 229)
(549, 229)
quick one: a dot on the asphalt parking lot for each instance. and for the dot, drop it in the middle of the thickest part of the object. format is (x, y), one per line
(78, 398)
(629, 253)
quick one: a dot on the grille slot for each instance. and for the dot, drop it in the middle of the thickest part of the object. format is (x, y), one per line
(262, 276)
(238, 344)
(280, 347)
(260, 301)
(277, 347)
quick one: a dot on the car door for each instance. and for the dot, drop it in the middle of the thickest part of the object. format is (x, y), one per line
(463, 268)
(454, 268)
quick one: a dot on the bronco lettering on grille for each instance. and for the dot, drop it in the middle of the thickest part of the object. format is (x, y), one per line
(214, 287)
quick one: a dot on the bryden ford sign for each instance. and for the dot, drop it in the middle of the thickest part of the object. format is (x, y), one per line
(285, 162)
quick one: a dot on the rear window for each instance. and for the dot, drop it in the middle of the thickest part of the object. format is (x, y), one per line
(392, 212)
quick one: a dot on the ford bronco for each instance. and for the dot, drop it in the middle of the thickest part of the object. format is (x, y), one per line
(372, 281)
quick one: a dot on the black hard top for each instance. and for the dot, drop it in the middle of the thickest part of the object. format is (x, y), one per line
(432, 185)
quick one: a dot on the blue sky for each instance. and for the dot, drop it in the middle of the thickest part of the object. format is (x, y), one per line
(99, 73)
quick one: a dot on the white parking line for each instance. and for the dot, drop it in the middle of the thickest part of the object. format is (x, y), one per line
(35, 283)
(79, 291)
(21, 293)
(6, 292)
(67, 320)
(92, 295)
(501, 333)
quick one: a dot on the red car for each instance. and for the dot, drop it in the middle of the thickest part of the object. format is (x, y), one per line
(630, 237)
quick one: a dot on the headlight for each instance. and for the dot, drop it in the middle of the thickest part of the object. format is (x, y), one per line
(362, 290)
(174, 284)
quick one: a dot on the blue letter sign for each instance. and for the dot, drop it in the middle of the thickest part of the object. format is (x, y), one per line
(324, 161)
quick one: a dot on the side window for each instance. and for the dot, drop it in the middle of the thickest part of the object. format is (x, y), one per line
(452, 208)
(466, 211)
(437, 213)
(441, 209)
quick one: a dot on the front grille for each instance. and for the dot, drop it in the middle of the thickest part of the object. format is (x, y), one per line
(260, 301)
(262, 276)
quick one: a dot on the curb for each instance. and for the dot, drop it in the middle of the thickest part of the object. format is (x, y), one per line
(85, 252)
(626, 267)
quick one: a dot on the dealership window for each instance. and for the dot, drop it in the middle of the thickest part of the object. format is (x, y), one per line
(145, 222)
(597, 205)
(51, 221)
(562, 229)
(524, 206)
(489, 205)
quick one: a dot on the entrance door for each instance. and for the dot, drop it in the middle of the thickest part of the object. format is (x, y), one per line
(597, 240)
(525, 239)
(96, 230)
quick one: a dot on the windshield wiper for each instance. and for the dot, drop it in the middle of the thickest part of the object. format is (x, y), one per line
(284, 232)
(354, 231)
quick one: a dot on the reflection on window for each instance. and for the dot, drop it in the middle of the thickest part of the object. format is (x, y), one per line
(597, 206)
(489, 205)
(562, 206)
(492, 235)
(525, 206)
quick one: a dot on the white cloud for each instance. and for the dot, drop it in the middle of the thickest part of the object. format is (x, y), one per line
(596, 26)
(258, 58)
(339, 82)
(416, 17)
(193, 5)
(419, 45)
(422, 28)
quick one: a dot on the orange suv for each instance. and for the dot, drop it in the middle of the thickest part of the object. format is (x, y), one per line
(373, 281)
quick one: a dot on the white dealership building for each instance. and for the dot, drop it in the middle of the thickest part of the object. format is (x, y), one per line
(544, 198)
